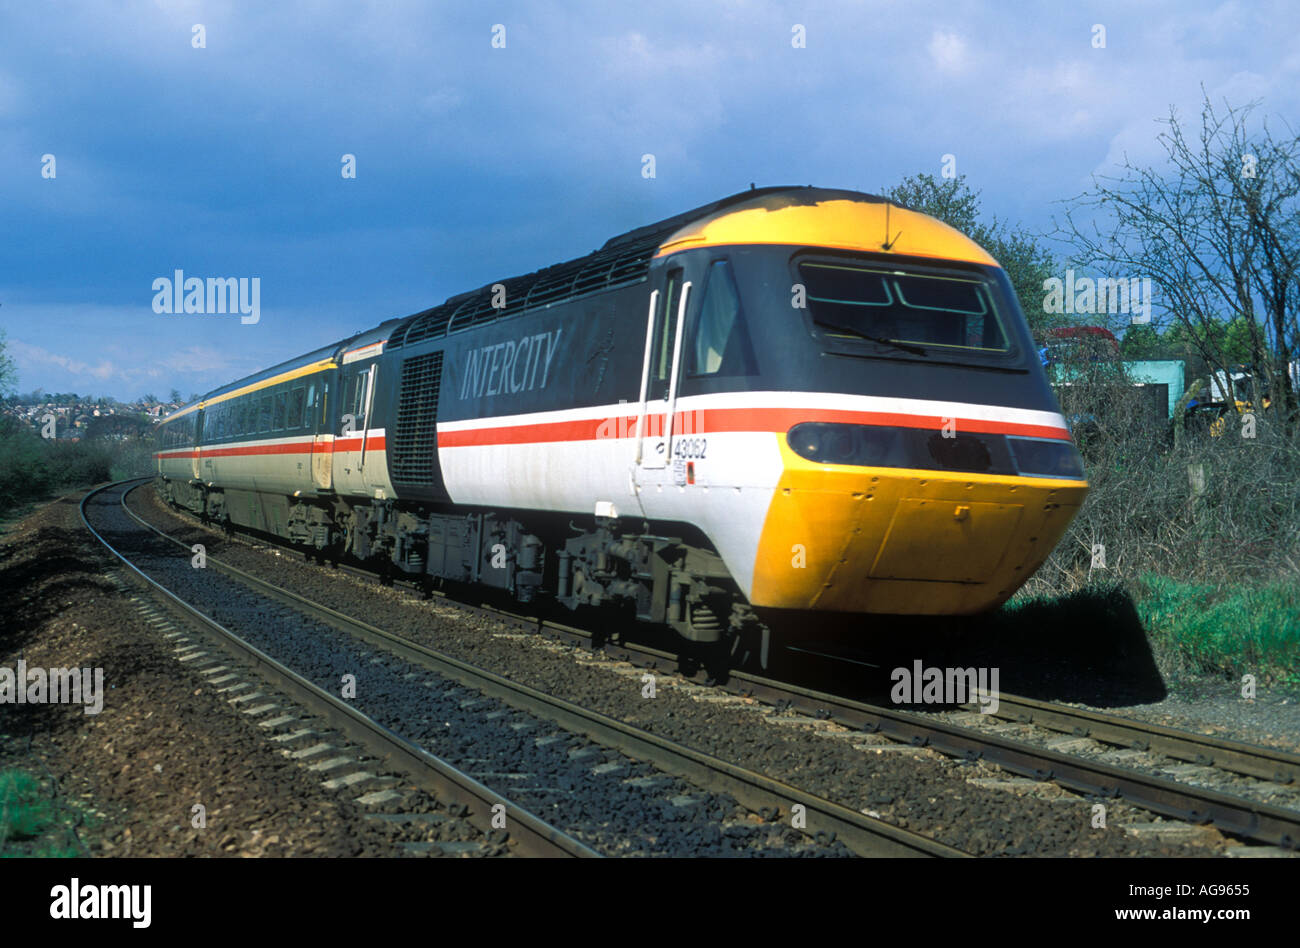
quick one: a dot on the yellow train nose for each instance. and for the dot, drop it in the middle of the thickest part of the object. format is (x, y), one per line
(893, 540)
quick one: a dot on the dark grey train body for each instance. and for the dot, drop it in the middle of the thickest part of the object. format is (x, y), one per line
(661, 423)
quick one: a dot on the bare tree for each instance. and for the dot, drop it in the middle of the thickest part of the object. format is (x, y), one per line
(1217, 229)
(1025, 260)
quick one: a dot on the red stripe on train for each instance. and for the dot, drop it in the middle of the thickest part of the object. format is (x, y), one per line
(723, 420)
(375, 443)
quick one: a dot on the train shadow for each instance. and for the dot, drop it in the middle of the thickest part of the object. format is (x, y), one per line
(1088, 647)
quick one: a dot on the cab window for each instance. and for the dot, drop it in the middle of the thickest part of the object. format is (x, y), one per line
(720, 344)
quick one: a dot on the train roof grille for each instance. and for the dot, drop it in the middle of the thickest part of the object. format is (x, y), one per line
(622, 261)
(606, 269)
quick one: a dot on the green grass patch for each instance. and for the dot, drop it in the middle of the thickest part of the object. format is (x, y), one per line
(31, 823)
(1229, 630)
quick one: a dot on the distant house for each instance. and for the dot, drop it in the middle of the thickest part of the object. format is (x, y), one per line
(1069, 349)
(1079, 344)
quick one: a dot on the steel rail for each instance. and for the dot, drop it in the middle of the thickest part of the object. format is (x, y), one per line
(1231, 814)
(535, 836)
(865, 835)
(1251, 760)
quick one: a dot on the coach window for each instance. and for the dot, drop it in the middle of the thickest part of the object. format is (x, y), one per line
(295, 407)
(720, 344)
(264, 414)
(281, 399)
(311, 412)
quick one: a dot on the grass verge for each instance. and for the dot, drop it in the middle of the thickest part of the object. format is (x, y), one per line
(1231, 629)
(32, 823)
(1226, 630)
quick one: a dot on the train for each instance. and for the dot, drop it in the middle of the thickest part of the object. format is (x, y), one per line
(791, 401)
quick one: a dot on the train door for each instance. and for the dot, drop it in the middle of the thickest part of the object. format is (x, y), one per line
(373, 458)
(322, 449)
(660, 370)
(353, 447)
(196, 440)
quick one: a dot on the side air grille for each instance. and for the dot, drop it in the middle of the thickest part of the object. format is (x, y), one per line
(415, 446)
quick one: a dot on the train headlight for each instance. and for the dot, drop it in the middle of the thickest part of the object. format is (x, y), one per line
(1037, 457)
(834, 443)
(806, 441)
(923, 449)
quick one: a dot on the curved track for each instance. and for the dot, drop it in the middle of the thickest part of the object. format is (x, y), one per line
(861, 834)
(1232, 814)
(534, 836)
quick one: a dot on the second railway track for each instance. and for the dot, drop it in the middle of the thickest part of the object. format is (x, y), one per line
(1248, 818)
(617, 798)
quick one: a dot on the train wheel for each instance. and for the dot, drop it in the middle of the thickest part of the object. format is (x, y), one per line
(751, 647)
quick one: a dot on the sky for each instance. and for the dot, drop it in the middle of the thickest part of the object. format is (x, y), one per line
(491, 139)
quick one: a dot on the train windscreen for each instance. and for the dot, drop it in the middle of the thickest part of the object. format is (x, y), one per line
(912, 310)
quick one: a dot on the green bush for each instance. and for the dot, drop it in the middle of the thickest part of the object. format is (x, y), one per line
(23, 812)
(32, 467)
(25, 468)
(30, 822)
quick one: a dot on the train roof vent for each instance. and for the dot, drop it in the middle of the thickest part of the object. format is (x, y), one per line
(606, 269)
(431, 322)
(622, 260)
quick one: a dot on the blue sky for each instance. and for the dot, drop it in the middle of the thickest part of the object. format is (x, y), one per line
(476, 163)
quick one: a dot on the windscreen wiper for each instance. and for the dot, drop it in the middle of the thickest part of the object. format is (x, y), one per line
(879, 340)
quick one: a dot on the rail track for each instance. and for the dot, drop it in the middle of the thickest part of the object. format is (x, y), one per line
(826, 822)
(1231, 813)
(533, 835)
(1250, 760)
